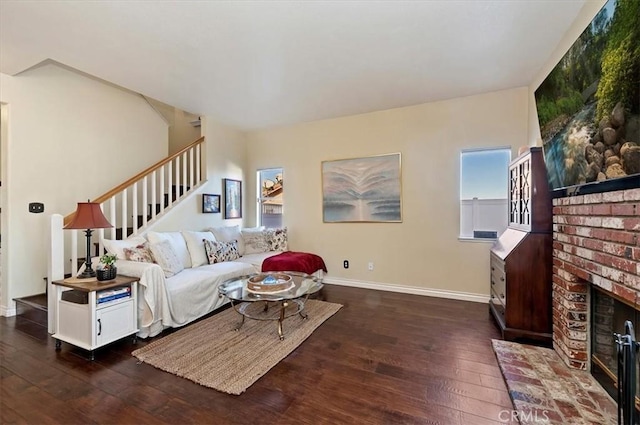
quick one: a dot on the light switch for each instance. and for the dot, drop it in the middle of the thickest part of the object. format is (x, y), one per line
(36, 207)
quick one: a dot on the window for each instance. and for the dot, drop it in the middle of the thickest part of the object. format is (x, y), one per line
(270, 203)
(484, 192)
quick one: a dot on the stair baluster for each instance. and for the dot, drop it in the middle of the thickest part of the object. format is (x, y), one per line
(133, 209)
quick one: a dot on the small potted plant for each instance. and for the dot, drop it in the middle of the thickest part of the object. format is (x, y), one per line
(107, 269)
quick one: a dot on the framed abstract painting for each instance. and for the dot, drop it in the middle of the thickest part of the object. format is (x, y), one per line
(362, 190)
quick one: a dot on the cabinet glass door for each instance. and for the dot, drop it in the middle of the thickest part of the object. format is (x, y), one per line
(525, 193)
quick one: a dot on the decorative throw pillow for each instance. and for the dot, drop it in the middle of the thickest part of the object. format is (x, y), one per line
(117, 246)
(140, 253)
(277, 239)
(177, 242)
(167, 258)
(255, 241)
(196, 247)
(217, 252)
(228, 234)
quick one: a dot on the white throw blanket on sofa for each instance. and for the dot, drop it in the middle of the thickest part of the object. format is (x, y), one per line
(191, 289)
(180, 299)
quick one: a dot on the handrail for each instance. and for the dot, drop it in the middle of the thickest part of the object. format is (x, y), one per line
(102, 198)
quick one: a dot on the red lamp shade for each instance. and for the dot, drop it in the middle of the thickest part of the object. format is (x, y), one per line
(88, 216)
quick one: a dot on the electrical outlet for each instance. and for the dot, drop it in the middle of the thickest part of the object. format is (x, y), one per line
(370, 266)
(346, 264)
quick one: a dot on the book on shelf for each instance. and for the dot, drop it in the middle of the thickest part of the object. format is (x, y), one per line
(114, 297)
(113, 294)
(109, 292)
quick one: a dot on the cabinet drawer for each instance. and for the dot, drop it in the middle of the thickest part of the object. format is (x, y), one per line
(497, 304)
(499, 297)
(115, 322)
(498, 279)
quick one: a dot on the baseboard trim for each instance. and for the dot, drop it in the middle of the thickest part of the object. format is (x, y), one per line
(428, 292)
(8, 312)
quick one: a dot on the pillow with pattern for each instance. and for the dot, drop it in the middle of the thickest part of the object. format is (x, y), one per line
(140, 253)
(217, 252)
(117, 247)
(255, 241)
(167, 258)
(277, 239)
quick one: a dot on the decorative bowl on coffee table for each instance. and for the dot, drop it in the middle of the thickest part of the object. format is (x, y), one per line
(269, 282)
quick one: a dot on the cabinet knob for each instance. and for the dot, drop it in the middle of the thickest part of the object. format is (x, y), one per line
(492, 282)
(502, 296)
(99, 326)
(493, 268)
(502, 278)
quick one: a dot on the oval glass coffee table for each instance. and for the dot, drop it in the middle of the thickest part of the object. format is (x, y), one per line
(253, 296)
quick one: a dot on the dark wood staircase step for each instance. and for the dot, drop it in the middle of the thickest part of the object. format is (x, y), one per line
(38, 301)
(32, 310)
(119, 232)
(179, 189)
(176, 192)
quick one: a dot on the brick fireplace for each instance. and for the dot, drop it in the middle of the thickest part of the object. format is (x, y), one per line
(596, 241)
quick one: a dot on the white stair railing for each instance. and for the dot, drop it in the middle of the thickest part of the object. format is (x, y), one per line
(133, 206)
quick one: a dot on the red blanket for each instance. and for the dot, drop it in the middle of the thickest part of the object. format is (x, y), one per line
(292, 261)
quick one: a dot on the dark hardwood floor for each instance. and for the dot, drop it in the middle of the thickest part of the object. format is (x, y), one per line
(385, 358)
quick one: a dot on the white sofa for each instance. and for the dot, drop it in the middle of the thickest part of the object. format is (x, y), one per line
(166, 300)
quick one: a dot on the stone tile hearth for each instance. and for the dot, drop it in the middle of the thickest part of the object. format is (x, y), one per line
(544, 390)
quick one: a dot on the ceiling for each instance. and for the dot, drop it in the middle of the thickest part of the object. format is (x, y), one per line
(258, 64)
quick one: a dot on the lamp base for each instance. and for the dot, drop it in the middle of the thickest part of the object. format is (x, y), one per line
(87, 274)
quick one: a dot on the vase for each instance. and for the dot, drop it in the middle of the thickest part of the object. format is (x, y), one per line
(107, 274)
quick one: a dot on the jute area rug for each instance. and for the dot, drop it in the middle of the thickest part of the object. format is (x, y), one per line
(213, 354)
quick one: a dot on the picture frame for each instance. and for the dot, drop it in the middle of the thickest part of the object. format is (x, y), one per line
(232, 199)
(210, 203)
(362, 190)
(589, 103)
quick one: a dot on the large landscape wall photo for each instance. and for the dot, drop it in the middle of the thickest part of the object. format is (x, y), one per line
(589, 105)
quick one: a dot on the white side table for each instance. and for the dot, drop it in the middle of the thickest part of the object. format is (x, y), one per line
(87, 320)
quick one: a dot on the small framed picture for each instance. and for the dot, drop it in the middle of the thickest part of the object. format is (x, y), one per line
(210, 203)
(232, 198)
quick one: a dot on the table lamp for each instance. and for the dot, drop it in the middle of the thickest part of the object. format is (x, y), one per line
(88, 216)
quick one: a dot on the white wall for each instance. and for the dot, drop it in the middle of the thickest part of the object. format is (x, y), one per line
(70, 138)
(181, 132)
(225, 153)
(4, 119)
(423, 251)
(586, 15)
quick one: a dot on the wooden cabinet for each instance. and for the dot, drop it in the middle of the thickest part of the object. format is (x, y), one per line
(521, 259)
(529, 196)
(90, 315)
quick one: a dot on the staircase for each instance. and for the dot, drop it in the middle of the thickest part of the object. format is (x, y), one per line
(131, 207)
(31, 315)
(139, 202)
(176, 193)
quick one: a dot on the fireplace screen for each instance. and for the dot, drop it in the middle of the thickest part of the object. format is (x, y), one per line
(608, 317)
